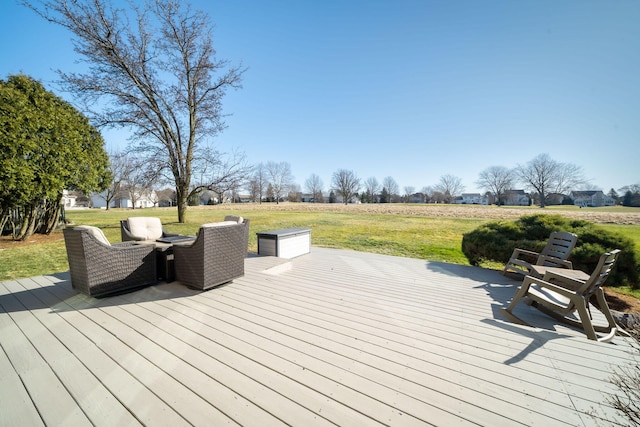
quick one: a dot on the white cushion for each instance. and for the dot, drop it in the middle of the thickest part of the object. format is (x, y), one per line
(219, 224)
(145, 227)
(237, 219)
(95, 232)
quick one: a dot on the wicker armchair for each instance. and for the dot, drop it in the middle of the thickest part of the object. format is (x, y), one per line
(98, 268)
(215, 257)
(142, 228)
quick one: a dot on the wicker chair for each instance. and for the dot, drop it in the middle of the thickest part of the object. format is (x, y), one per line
(142, 228)
(98, 268)
(215, 257)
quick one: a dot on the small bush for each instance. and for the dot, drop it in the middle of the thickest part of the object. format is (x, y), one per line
(495, 241)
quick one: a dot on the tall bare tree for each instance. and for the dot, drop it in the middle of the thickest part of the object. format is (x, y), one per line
(426, 193)
(545, 176)
(408, 192)
(139, 178)
(392, 188)
(153, 69)
(450, 186)
(497, 180)
(280, 178)
(258, 183)
(372, 188)
(118, 165)
(346, 183)
(314, 185)
(221, 173)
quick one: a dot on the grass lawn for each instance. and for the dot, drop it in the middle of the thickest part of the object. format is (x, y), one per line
(422, 232)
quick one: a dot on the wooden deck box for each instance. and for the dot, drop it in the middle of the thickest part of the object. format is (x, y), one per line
(285, 243)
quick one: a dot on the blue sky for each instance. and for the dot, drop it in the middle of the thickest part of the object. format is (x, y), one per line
(408, 89)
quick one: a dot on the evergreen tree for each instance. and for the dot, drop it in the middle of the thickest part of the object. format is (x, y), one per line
(46, 146)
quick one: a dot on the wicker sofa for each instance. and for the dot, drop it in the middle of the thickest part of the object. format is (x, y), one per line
(98, 268)
(215, 257)
(141, 228)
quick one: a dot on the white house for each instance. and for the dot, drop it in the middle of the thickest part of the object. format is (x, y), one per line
(516, 198)
(146, 199)
(594, 198)
(472, 199)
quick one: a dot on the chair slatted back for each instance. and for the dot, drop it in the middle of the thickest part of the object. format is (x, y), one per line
(559, 245)
(601, 273)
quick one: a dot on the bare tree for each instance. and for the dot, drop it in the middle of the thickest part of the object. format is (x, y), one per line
(280, 178)
(408, 192)
(118, 165)
(392, 188)
(426, 192)
(222, 173)
(139, 178)
(346, 184)
(546, 176)
(497, 180)
(167, 195)
(153, 70)
(372, 188)
(438, 197)
(259, 182)
(314, 185)
(450, 186)
(295, 193)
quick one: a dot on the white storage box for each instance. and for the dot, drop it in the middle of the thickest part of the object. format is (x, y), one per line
(284, 243)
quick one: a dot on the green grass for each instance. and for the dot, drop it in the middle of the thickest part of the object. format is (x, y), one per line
(435, 238)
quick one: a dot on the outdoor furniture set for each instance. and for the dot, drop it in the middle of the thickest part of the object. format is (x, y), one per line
(216, 256)
(148, 253)
(552, 286)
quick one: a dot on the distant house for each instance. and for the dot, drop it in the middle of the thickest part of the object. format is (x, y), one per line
(472, 199)
(594, 199)
(69, 199)
(74, 200)
(417, 198)
(146, 199)
(243, 198)
(516, 198)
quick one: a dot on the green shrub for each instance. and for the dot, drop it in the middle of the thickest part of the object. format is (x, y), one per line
(495, 241)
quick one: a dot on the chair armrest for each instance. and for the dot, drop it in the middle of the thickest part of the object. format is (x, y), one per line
(518, 251)
(124, 244)
(133, 247)
(529, 280)
(524, 255)
(553, 260)
(565, 282)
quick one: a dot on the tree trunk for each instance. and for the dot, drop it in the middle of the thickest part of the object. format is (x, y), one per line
(4, 218)
(182, 200)
(28, 222)
(50, 216)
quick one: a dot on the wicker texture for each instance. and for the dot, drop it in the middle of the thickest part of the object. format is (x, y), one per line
(215, 257)
(97, 269)
(245, 242)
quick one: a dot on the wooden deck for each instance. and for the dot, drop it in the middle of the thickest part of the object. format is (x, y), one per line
(329, 338)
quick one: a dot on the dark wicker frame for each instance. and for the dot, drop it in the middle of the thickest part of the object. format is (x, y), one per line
(98, 269)
(215, 257)
(126, 236)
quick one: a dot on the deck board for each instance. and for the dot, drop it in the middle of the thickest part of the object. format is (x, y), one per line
(329, 338)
